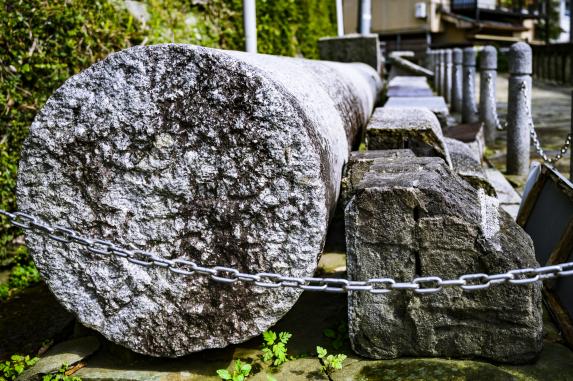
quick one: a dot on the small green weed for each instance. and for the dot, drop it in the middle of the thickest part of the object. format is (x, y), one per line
(330, 363)
(240, 372)
(12, 368)
(338, 335)
(61, 375)
(22, 275)
(274, 348)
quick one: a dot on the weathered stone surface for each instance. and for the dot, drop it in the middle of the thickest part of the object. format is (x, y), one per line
(508, 197)
(412, 218)
(403, 67)
(468, 165)
(399, 127)
(69, 353)
(352, 48)
(408, 86)
(436, 104)
(472, 134)
(218, 157)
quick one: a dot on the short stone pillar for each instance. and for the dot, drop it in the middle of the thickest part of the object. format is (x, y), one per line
(442, 72)
(352, 48)
(448, 76)
(519, 108)
(457, 80)
(487, 103)
(438, 77)
(469, 112)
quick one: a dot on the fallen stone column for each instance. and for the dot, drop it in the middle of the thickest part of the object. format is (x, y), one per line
(218, 157)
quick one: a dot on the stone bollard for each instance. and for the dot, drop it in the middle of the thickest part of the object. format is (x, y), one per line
(457, 80)
(487, 102)
(519, 109)
(443, 72)
(448, 76)
(469, 112)
(437, 77)
(217, 157)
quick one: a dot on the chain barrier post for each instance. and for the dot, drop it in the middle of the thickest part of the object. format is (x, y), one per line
(487, 99)
(469, 112)
(443, 72)
(448, 76)
(438, 81)
(457, 80)
(518, 109)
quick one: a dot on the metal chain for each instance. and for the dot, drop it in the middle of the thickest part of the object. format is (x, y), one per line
(221, 274)
(536, 142)
(498, 125)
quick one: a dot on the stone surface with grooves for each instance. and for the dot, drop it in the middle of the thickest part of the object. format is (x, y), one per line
(213, 156)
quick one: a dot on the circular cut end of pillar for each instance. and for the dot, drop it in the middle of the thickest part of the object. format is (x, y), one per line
(519, 58)
(488, 58)
(188, 153)
(458, 56)
(469, 56)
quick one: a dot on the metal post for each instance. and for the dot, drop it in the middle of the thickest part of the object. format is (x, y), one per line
(487, 99)
(469, 112)
(448, 76)
(339, 18)
(250, 20)
(457, 80)
(519, 109)
(365, 16)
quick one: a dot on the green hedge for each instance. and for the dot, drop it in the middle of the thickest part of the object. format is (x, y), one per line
(43, 42)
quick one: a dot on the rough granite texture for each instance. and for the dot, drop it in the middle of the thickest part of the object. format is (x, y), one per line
(468, 165)
(436, 104)
(219, 157)
(414, 217)
(401, 127)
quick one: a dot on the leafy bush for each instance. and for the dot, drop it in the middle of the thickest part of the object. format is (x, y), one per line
(61, 375)
(11, 369)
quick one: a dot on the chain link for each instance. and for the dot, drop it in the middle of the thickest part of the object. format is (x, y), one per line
(535, 139)
(493, 105)
(229, 275)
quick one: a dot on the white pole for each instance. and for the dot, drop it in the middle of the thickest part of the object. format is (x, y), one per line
(339, 18)
(250, 19)
(365, 17)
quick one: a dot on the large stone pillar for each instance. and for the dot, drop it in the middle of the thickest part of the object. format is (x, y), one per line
(519, 109)
(448, 76)
(216, 157)
(487, 101)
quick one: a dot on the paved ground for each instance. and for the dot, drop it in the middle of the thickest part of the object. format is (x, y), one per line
(551, 115)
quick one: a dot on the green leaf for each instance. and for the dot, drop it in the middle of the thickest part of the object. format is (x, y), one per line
(224, 374)
(269, 337)
(321, 352)
(284, 337)
(239, 377)
(246, 369)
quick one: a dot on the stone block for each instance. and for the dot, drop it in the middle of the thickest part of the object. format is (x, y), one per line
(408, 86)
(467, 164)
(470, 133)
(413, 217)
(399, 127)
(436, 104)
(352, 48)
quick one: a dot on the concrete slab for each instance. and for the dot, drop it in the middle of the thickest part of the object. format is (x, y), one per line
(352, 48)
(406, 91)
(400, 127)
(435, 104)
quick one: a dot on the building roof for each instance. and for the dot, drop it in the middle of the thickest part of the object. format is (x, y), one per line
(465, 22)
